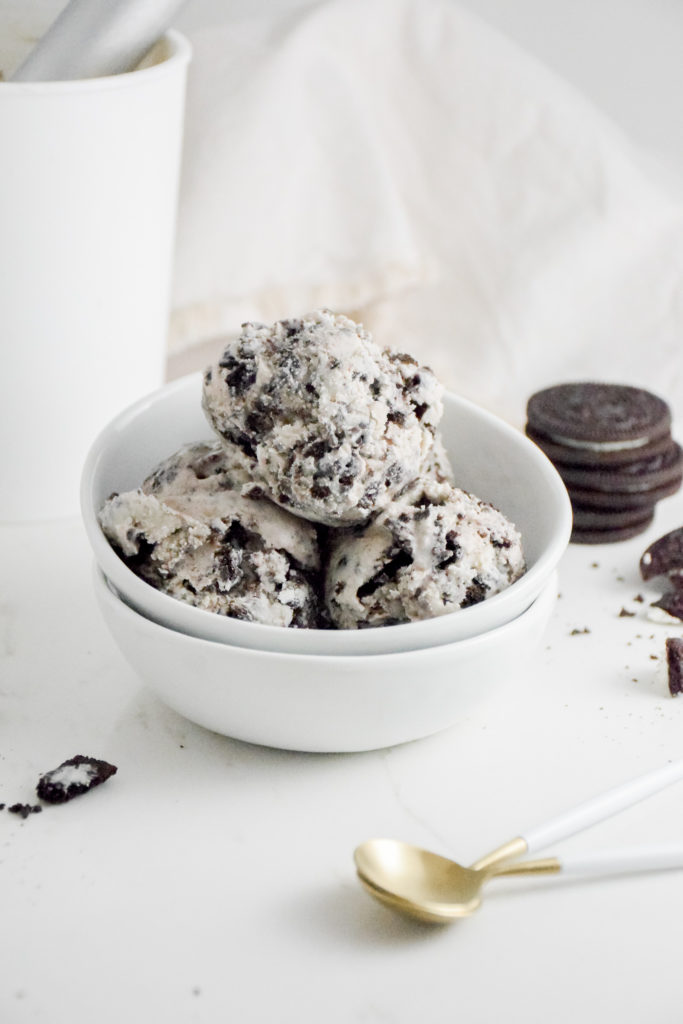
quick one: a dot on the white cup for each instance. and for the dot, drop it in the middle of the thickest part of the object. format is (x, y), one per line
(89, 175)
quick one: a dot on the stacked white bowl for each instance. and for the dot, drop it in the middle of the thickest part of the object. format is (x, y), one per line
(329, 690)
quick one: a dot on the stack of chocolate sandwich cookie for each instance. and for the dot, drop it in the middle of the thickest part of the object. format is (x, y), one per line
(612, 446)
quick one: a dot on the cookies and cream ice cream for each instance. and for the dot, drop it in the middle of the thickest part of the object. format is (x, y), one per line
(334, 426)
(190, 532)
(435, 549)
(327, 498)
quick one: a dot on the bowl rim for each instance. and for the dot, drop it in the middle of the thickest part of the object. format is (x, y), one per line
(105, 554)
(104, 586)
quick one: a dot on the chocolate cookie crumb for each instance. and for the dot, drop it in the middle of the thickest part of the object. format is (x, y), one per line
(579, 632)
(23, 810)
(626, 614)
(72, 778)
(674, 662)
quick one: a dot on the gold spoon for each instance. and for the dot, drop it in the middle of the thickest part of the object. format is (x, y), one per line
(432, 888)
(436, 889)
(461, 886)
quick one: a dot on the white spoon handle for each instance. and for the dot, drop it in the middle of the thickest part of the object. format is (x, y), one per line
(612, 862)
(600, 807)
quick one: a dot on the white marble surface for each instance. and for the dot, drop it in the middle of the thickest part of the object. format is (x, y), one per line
(211, 880)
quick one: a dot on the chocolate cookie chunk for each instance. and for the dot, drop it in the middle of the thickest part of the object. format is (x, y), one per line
(598, 417)
(664, 556)
(671, 600)
(73, 778)
(674, 664)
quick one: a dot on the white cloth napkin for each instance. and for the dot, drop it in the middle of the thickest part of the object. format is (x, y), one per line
(401, 160)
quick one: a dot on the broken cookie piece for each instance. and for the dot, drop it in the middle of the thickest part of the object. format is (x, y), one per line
(671, 602)
(72, 778)
(664, 557)
(674, 664)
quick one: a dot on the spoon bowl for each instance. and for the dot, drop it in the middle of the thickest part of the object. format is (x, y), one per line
(425, 885)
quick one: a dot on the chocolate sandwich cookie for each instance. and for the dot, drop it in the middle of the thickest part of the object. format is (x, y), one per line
(617, 500)
(636, 485)
(586, 518)
(609, 534)
(574, 456)
(615, 422)
(612, 446)
(641, 476)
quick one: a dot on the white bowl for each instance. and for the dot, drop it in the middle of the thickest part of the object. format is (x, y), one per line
(321, 703)
(490, 458)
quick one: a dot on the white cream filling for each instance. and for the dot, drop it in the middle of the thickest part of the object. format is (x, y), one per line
(599, 446)
(72, 775)
(662, 617)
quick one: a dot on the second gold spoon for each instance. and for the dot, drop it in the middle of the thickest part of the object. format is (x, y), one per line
(427, 886)
(434, 888)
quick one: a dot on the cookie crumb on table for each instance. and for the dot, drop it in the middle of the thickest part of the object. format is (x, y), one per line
(23, 810)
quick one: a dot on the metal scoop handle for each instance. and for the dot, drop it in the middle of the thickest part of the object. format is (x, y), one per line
(91, 38)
